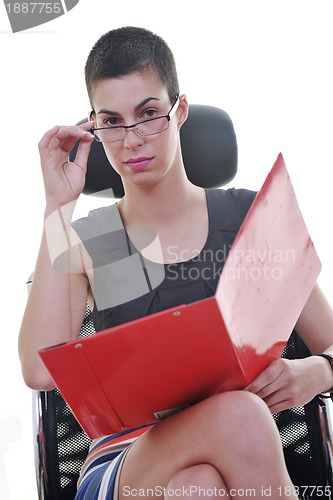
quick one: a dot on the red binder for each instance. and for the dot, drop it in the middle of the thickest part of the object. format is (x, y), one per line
(141, 371)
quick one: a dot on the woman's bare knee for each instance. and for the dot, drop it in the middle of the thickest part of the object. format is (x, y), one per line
(233, 417)
(198, 481)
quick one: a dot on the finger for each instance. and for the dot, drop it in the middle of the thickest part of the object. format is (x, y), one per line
(265, 378)
(82, 153)
(66, 135)
(73, 133)
(278, 406)
(45, 140)
(44, 145)
(83, 127)
(284, 398)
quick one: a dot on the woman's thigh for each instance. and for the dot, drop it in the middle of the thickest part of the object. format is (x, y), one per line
(223, 431)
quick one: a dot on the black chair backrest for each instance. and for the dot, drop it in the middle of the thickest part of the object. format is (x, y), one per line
(209, 149)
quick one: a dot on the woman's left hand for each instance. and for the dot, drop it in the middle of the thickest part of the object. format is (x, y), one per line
(288, 383)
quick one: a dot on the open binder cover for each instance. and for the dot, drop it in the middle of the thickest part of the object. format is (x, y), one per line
(139, 372)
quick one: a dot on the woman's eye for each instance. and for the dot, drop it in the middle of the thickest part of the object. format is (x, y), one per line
(149, 113)
(111, 122)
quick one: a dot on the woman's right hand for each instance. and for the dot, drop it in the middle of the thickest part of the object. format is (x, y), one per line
(64, 180)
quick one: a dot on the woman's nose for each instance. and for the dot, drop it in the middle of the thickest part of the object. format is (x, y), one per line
(132, 138)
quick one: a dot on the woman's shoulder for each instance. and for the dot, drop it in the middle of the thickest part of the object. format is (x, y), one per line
(236, 201)
(99, 221)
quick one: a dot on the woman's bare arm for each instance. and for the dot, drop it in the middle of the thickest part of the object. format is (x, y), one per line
(58, 295)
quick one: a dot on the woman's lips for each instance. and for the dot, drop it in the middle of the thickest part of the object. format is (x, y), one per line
(138, 163)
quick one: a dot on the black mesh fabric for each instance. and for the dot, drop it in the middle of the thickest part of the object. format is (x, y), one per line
(303, 438)
(66, 444)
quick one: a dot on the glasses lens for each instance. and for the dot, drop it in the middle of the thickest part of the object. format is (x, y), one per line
(110, 134)
(149, 127)
(154, 126)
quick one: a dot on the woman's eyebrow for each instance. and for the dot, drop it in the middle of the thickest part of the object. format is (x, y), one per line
(142, 103)
(105, 111)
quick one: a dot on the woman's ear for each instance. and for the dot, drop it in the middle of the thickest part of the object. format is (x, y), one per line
(182, 111)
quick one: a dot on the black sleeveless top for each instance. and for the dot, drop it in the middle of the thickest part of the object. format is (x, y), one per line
(128, 286)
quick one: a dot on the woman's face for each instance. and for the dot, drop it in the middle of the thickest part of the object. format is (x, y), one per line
(128, 100)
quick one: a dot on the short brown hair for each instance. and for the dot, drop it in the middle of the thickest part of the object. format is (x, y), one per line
(129, 50)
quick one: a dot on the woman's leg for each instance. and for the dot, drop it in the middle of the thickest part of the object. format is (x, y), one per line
(196, 482)
(232, 432)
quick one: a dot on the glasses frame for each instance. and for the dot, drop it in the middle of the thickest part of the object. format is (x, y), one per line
(135, 126)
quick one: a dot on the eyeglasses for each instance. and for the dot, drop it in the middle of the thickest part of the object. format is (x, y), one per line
(151, 126)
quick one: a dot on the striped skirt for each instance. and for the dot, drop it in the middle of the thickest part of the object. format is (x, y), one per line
(100, 473)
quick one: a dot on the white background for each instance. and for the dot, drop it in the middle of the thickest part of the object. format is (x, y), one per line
(267, 63)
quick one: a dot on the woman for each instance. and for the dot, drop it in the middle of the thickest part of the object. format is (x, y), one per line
(228, 443)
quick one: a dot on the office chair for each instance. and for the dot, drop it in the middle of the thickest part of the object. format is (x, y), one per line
(209, 148)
